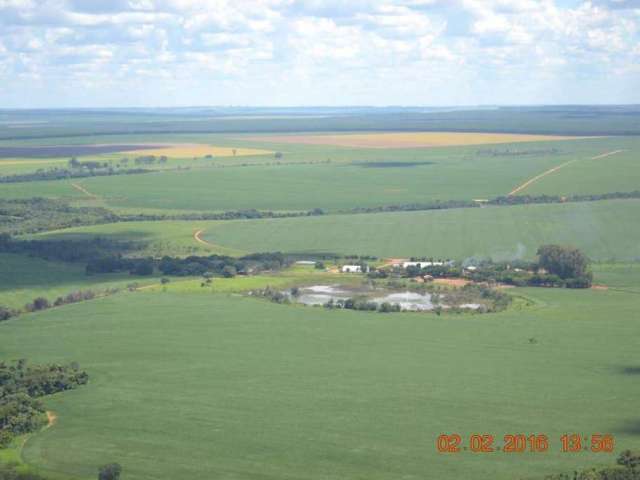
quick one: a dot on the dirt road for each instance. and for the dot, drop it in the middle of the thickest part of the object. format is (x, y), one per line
(521, 187)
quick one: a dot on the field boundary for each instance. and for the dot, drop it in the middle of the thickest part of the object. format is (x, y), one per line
(555, 169)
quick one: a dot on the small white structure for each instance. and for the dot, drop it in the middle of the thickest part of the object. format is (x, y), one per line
(305, 262)
(422, 264)
(471, 268)
(351, 269)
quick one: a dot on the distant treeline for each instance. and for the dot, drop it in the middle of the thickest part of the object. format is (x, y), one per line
(20, 387)
(66, 174)
(553, 120)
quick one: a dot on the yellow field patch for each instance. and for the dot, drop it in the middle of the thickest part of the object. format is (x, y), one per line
(198, 150)
(31, 162)
(409, 139)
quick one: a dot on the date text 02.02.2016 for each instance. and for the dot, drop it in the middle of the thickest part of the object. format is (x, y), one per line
(522, 443)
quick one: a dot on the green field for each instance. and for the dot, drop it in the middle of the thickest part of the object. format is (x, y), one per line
(210, 386)
(24, 278)
(606, 230)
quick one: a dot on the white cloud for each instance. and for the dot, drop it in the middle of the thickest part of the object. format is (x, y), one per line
(316, 51)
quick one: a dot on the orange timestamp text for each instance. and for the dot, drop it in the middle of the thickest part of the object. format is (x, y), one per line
(524, 443)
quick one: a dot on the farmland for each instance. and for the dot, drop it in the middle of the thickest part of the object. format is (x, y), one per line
(191, 376)
(335, 180)
(247, 382)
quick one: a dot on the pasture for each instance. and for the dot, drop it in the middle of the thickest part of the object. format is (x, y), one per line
(229, 387)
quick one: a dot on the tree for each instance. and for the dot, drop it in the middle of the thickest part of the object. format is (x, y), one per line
(110, 471)
(566, 262)
(629, 459)
(229, 271)
(144, 267)
(278, 155)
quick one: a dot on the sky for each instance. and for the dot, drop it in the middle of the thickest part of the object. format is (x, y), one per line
(122, 53)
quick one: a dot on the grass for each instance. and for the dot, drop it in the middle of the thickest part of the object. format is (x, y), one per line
(237, 388)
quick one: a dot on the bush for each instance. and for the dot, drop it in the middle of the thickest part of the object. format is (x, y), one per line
(39, 303)
(6, 313)
(110, 471)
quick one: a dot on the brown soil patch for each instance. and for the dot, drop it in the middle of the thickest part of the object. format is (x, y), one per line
(451, 282)
(599, 287)
(408, 139)
(52, 418)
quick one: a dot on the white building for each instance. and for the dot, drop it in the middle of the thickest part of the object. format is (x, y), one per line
(422, 264)
(351, 269)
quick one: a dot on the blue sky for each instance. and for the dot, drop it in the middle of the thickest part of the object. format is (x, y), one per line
(101, 53)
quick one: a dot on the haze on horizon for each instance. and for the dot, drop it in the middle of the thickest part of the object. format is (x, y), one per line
(122, 53)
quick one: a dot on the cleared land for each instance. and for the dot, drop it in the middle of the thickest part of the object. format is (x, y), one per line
(197, 150)
(409, 140)
(257, 390)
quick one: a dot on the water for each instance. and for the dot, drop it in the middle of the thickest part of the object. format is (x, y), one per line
(409, 301)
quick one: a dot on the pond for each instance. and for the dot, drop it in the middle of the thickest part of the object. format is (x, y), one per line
(407, 300)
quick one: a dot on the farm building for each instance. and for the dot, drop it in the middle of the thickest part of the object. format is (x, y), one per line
(422, 264)
(351, 269)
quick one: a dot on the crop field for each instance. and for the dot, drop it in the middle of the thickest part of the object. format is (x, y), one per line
(197, 150)
(605, 230)
(307, 178)
(252, 389)
(409, 140)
